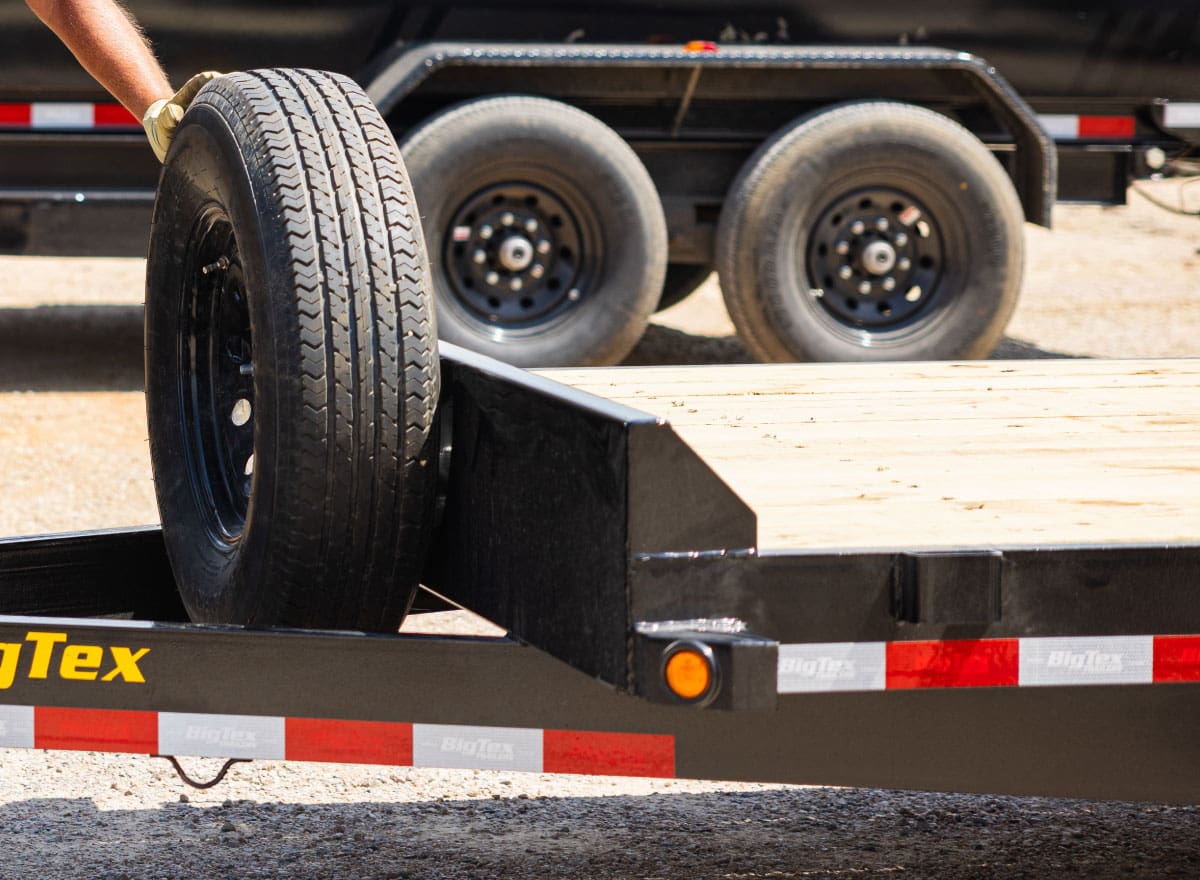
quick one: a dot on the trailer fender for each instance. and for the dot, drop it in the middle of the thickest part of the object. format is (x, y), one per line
(940, 78)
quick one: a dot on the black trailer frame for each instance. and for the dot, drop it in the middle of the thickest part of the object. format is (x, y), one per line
(601, 542)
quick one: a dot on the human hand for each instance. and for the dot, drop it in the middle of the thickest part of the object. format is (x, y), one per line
(163, 116)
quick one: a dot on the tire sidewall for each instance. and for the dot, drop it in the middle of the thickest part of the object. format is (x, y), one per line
(205, 169)
(577, 163)
(822, 159)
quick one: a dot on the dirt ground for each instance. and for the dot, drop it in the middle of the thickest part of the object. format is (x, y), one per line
(1117, 282)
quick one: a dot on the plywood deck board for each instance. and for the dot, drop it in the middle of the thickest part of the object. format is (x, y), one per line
(940, 455)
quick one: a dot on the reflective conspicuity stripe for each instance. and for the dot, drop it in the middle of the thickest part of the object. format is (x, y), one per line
(1071, 127)
(220, 736)
(465, 747)
(66, 116)
(1113, 660)
(95, 730)
(1031, 662)
(817, 668)
(596, 753)
(16, 727)
(1182, 115)
(964, 663)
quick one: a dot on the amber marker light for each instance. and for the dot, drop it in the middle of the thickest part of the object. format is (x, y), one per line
(689, 671)
(699, 46)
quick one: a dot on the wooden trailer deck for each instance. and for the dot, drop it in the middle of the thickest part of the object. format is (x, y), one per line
(940, 454)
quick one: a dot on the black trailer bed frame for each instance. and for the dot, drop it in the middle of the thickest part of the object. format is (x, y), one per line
(1070, 671)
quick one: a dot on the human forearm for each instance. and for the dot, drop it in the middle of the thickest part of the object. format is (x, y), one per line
(109, 46)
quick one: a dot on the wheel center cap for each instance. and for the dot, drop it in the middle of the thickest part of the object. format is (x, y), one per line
(516, 253)
(878, 258)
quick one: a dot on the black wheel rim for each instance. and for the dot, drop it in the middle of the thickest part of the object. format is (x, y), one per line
(217, 378)
(875, 259)
(518, 255)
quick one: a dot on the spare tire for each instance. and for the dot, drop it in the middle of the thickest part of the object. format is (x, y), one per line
(291, 365)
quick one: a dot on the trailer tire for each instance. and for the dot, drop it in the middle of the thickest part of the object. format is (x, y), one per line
(291, 366)
(806, 272)
(683, 279)
(547, 234)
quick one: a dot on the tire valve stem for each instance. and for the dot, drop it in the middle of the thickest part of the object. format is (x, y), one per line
(219, 266)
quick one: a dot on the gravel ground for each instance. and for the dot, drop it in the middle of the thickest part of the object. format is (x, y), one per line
(1105, 283)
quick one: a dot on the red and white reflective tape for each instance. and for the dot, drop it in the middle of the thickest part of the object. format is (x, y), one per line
(1068, 127)
(1032, 662)
(64, 116)
(356, 742)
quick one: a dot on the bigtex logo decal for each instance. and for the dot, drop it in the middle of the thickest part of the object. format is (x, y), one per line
(482, 747)
(1086, 661)
(818, 668)
(71, 662)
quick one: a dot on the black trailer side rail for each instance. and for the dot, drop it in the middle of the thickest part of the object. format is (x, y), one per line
(134, 687)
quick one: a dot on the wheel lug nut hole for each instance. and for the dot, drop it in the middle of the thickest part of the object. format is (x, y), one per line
(241, 412)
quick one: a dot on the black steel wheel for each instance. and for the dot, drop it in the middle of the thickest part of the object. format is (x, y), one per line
(291, 369)
(548, 236)
(874, 231)
(518, 255)
(216, 377)
(683, 279)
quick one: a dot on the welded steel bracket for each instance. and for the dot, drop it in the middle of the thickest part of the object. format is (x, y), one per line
(551, 495)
